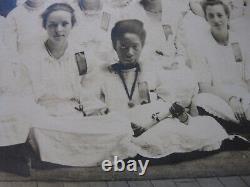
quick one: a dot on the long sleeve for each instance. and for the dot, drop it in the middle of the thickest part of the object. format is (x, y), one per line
(12, 32)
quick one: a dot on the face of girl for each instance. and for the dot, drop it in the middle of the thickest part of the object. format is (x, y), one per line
(217, 17)
(129, 48)
(58, 26)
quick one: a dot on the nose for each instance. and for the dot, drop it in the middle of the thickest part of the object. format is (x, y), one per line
(216, 19)
(59, 28)
(130, 52)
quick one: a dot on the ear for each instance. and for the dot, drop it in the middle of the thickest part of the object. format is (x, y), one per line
(114, 43)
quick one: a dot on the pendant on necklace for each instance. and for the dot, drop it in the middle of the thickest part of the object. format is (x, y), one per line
(131, 104)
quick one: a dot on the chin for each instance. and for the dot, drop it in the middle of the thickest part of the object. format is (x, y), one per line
(59, 40)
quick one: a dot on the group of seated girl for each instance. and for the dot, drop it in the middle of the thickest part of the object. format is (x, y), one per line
(127, 108)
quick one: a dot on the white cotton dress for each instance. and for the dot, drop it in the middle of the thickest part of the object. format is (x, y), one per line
(2, 33)
(220, 66)
(14, 99)
(25, 28)
(60, 133)
(90, 35)
(168, 136)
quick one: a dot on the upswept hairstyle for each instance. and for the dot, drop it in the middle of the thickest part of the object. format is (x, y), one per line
(55, 7)
(206, 3)
(128, 26)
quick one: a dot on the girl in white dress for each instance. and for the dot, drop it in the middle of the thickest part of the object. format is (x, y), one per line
(24, 22)
(221, 62)
(57, 71)
(90, 32)
(133, 91)
(160, 52)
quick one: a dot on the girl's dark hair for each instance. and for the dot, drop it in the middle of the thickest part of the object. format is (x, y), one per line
(206, 3)
(143, 2)
(55, 7)
(128, 26)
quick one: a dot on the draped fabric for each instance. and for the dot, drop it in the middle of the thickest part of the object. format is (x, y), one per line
(169, 135)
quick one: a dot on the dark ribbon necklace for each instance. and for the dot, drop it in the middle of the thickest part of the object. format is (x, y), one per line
(47, 48)
(118, 69)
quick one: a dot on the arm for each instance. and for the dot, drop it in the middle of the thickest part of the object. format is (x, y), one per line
(248, 85)
(234, 102)
(216, 90)
(92, 101)
(195, 6)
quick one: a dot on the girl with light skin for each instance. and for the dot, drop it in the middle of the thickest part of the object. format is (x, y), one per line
(57, 79)
(229, 76)
(24, 22)
(58, 25)
(53, 61)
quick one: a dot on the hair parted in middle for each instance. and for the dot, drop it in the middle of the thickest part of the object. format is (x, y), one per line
(55, 7)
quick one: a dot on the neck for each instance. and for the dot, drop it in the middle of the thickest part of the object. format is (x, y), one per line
(221, 36)
(56, 50)
(154, 7)
(118, 67)
(33, 4)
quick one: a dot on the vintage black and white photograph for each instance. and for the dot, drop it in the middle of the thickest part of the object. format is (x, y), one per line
(125, 90)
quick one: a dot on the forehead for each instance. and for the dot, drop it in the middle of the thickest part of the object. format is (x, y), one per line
(152, 1)
(215, 9)
(92, 2)
(130, 38)
(59, 15)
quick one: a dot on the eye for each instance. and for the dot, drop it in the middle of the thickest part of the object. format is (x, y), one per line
(65, 23)
(220, 15)
(135, 47)
(123, 47)
(52, 25)
(211, 16)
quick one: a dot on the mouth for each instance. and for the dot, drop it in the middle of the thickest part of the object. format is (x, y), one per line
(59, 36)
(130, 59)
(218, 25)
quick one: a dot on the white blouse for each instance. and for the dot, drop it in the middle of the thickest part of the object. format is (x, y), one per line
(54, 78)
(90, 35)
(219, 65)
(93, 31)
(25, 28)
(114, 94)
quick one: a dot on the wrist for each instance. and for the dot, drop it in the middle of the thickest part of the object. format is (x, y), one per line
(230, 98)
(239, 99)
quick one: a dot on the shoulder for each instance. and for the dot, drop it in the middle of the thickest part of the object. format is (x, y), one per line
(36, 54)
(2, 19)
(237, 36)
(16, 12)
